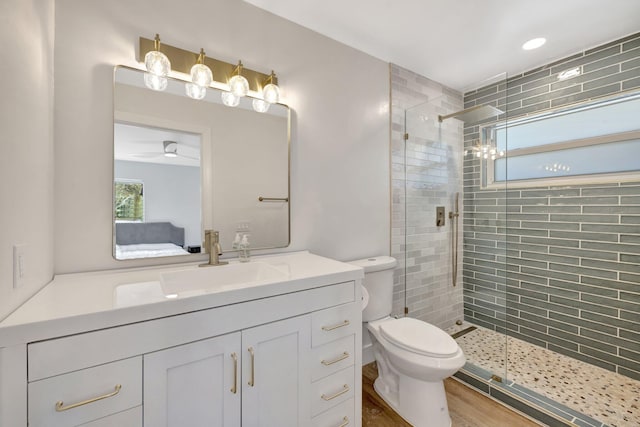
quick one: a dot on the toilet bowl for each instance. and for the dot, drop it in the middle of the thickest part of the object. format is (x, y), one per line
(413, 356)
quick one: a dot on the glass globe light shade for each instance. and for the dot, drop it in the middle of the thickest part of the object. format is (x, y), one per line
(157, 63)
(239, 86)
(230, 100)
(155, 82)
(194, 91)
(260, 106)
(271, 93)
(201, 75)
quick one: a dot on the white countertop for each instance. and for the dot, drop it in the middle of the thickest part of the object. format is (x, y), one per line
(75, 303)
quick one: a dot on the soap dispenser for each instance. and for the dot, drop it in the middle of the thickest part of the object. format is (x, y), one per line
(243, 247)
(236, 242)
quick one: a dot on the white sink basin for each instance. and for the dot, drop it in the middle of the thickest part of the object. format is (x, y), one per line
(222, 277)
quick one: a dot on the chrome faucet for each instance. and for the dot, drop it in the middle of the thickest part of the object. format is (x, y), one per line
(213, 248)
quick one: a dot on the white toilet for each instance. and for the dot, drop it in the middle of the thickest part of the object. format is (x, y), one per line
(413, 357)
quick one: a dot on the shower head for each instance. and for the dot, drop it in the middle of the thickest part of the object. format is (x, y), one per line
(473, 114)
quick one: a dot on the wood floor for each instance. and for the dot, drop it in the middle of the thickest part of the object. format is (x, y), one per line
(467, 407)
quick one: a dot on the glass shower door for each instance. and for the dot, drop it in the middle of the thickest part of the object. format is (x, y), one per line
(455, 239)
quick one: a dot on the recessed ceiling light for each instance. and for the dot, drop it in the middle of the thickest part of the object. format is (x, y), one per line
(534, 43)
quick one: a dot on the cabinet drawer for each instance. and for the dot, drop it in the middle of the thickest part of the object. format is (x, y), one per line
(332, 357)
(328, 392)
(82, 396)
(129, 418)
(342, 415)
(336, 322)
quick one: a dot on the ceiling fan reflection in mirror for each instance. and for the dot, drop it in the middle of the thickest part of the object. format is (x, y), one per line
(149, 144)
(170, 150)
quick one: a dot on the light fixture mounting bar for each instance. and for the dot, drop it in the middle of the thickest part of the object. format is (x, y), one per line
(182, 61)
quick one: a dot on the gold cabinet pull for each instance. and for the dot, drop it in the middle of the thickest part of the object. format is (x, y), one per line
(234, 389)
(60, 407)
(345, 389)
(339, 325)
(253, 367)
(345, 422)
(336, 360)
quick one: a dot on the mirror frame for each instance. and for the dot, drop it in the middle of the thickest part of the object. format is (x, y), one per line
(206, 175)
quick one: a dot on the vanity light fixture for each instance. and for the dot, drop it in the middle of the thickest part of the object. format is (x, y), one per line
(567, 74)
(207, 72)
(201, 78)
(260, 105)
(271, 91)
(229, 99)
(270, 94)
(238, 84)
(485, 151)
(158, 67)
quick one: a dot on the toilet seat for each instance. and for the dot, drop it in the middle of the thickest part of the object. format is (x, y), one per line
(419, 337)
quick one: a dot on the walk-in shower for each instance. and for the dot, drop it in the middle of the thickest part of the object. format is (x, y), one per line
(543, 271)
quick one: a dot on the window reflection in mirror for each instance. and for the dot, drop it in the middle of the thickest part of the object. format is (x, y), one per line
(240, 156)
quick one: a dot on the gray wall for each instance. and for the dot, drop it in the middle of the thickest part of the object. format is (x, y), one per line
(570, 258)
(170, 193)
(429, 176)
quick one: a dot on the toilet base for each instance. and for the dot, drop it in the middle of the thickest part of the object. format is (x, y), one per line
(420, 403)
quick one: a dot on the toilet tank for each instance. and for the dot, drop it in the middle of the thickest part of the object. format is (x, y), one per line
(378, 281)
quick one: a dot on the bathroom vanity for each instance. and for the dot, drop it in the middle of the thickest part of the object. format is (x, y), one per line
(276, 341)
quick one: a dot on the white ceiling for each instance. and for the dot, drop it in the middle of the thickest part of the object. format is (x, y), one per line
(462, 43)
(145, 144)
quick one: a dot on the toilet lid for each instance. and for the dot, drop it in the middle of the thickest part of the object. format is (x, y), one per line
(419, 337)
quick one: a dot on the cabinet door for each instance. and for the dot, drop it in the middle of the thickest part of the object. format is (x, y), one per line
(196, 384)
(276, 374)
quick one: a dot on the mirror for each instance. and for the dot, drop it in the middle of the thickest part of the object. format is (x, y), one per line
(182, 166)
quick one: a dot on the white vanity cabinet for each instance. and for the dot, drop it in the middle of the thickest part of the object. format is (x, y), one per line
(204, 383)
(275, 374)
(194, 384)
(285, 353)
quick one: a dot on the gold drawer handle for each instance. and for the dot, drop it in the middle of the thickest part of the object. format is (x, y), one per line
(234, 389)
(253, 366)
(60, 405)
(336, 360)
(345, 422)
(339, 325)
(345, 389)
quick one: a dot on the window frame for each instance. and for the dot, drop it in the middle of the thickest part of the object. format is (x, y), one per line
(487, 169)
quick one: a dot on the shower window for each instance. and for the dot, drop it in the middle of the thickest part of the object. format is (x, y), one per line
(594, 142)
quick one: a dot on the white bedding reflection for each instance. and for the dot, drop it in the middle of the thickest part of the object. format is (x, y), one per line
(148, 250)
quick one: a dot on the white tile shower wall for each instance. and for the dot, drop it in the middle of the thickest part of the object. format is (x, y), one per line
(570, 258)
(424, 175)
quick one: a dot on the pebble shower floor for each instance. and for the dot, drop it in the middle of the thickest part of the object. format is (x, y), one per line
(606, 396)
